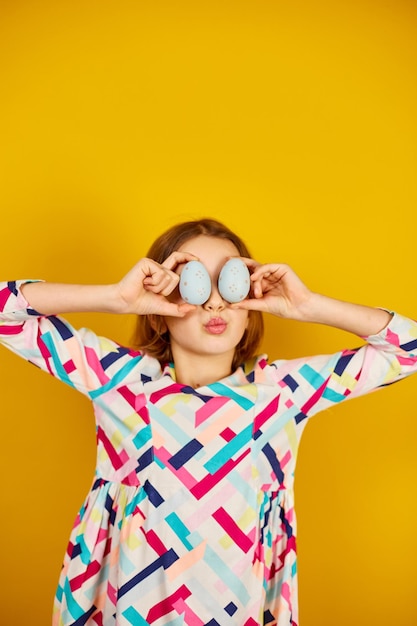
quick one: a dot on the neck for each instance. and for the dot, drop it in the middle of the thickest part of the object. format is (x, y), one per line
(198, 371)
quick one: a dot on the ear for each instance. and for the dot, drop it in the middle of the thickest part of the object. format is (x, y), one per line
(158, 324)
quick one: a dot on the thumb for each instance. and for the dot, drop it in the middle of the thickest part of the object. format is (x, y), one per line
(176, 310)
(251, 304)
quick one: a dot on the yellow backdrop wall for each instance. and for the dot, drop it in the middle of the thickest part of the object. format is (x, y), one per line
(295, 124)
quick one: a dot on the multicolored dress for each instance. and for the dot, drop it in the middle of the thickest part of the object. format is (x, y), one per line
(190, 518)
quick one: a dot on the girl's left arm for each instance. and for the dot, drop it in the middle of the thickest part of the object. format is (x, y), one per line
(318, 382)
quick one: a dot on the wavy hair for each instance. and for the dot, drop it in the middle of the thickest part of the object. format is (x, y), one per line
(149, 336)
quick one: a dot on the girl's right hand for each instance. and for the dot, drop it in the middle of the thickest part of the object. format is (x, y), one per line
(146, 288)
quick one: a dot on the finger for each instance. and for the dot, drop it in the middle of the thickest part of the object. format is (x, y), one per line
(251, 304)
(149, 267)
(258, 286)
(267, 270)
(178, 258)
(157, 304)
(167, 291)
(257, 289)
(162, 281)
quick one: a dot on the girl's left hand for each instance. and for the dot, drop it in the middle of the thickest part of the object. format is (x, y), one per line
(276, 289)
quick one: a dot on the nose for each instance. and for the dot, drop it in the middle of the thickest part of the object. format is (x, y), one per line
(215, 301)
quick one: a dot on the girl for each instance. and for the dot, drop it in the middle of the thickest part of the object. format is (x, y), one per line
(190, 517)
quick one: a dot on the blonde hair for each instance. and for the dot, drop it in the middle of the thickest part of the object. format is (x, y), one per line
(149, 337)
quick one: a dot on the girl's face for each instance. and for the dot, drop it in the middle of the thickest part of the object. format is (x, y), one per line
(213, 328)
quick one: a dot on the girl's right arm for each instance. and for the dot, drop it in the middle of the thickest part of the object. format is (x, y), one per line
(30, 327)
(141, 291)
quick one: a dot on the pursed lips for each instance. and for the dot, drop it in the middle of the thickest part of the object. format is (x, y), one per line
(216, 326)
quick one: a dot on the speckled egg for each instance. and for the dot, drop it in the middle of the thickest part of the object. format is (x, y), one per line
(234, 281)
(195, 283)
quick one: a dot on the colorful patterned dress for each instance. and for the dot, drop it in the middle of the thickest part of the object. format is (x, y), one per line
(190, 518)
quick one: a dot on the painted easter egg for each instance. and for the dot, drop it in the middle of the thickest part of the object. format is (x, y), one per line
(195, 283)
(234, 280)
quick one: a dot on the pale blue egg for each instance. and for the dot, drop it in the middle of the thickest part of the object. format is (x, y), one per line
(234, 281)
(195, 283)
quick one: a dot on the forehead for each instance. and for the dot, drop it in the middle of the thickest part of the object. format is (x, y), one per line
(210, 250)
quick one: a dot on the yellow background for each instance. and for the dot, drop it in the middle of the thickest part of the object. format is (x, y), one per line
(294, 123)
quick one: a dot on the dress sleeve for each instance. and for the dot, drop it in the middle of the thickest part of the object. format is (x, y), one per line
(318, 382)
(79, 358)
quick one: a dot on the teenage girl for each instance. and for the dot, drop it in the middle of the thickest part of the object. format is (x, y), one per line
(190, 518)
